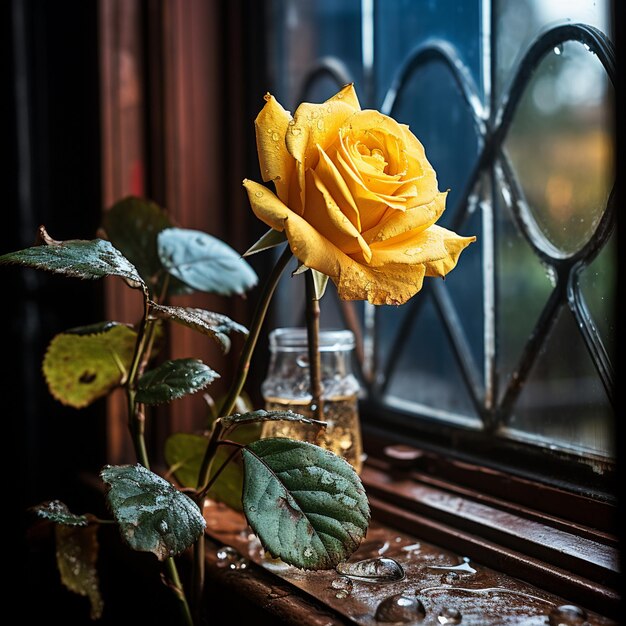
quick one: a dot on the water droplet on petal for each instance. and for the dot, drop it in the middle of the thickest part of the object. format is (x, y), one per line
(400, 609)
(567, 615)
(448, 615)
(296, 130)
(413, 251)
(275, 136)
(320, 124)
(258, 194)
(372, 570)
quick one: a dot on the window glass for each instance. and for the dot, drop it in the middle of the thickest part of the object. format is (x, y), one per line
(306, 32)
(537, 205)
(563, 403)
(560, 145)
(402, 25)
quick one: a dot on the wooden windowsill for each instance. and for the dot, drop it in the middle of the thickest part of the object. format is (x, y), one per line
(497, 593)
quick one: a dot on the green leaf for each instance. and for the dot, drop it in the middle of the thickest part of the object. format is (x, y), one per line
(77, 553)
(78, 258)
(215, 325)
(153, 516)
(266, 416)
(56, 511)
(174, 379)
(84, 364)
(132, 226)
(319, 283)
(204, 262)
(270, 239)
(184, 454)
(306, 504)
(319, 280)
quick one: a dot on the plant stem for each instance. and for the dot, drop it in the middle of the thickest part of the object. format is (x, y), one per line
(136, 425)
(313, 339)
(177, 588)
(257, 321)
(220, 469)
(198, 548)
(235, 389)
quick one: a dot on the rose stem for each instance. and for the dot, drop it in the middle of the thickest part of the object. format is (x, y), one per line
(313, 338)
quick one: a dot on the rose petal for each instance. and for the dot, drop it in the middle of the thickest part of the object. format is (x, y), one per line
(275, 161)
(394, 284)
(454, 244)
(355, 179)
(420, 172)
(336, 185)
(266, 206)
(315, 124)
(411, 248)
(348, 96)
(371, 206)
(416, 219)
(326, 217)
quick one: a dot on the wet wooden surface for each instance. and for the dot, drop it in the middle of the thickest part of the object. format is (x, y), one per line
(439, 587)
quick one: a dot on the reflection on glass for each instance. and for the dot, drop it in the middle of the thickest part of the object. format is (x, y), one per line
(597, 284)
(563, 404)
(560, 144)
(426, 371)
(518, 22)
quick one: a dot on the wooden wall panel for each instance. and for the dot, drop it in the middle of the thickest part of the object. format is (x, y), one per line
(123, 158)
(193, 173)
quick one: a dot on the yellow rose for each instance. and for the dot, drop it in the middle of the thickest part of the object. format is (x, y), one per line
(356, 197)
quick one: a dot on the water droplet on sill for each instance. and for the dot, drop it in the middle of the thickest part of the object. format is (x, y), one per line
(228, 557)
(449, 615)
(400, 609)
(567, 615)
(464, 567)
(342, 587)
(377, 570)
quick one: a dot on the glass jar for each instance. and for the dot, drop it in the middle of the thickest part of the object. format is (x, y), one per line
(287, 387)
